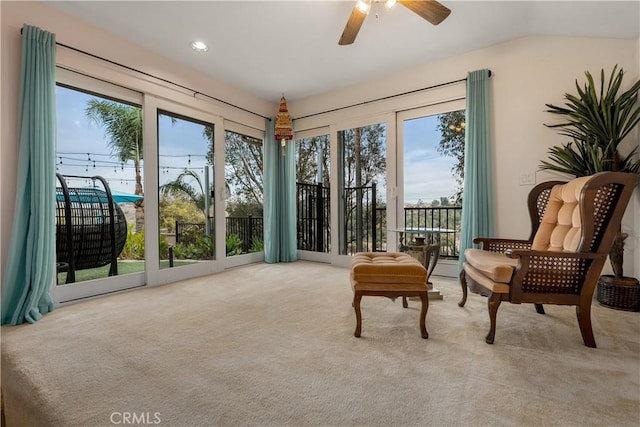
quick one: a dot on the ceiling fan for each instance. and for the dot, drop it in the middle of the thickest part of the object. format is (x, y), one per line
(430, 10)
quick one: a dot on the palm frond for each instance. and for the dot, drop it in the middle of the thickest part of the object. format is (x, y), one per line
(597, 118)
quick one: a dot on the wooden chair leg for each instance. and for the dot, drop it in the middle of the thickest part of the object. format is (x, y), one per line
(356, 305)
(584, 321)
(493, 302)
(424, 297)
(539, 308)
(463, 284)
(404, 302)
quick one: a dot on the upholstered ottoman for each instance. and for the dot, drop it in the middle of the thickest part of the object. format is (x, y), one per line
(389, 275)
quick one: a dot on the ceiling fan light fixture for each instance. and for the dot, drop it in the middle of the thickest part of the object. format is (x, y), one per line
(363, 6)
(199, 46)
(390, 3)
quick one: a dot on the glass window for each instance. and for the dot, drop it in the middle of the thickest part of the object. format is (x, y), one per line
(433, 175)
(186, 183)
(98, 154)
(244, 191)
(312, 194)
(363, 202)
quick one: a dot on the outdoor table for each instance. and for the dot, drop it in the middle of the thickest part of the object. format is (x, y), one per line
(425, 248)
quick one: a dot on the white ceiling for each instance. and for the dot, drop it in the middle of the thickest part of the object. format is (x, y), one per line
(272, 47)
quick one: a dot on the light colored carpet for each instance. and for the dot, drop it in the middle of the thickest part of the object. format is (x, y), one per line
(273, 345)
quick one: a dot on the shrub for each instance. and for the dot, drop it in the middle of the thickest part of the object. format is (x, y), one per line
(234, 245)
(202, 248)
(257, 245)
(134, 246)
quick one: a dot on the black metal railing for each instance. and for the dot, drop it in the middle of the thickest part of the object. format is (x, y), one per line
(363, 232)
(446, 219)
(312, 217)
(365, 223)
(249, 229)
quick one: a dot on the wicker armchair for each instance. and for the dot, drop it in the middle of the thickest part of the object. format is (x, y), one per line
(573, 227)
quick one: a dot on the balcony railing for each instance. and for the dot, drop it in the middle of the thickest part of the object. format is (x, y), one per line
(444, 218)
(246, 228)
(362, 230)
(313, 216)
(365, 224)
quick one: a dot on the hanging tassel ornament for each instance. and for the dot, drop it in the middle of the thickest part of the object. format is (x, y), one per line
(283, 129)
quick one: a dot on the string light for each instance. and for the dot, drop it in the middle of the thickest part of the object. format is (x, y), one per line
(458, 128)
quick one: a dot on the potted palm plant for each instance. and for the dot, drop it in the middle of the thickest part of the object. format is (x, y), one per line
(598, 119)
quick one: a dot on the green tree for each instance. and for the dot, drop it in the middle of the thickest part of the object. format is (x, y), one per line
(189, 185)
(238, 207)
(451, 126)
(365, 159)
(307, 152)
(243, 167)
(122, 125)
(178, 207)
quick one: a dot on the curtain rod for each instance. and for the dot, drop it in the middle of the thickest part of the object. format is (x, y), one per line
(385, 98)
(195, 92)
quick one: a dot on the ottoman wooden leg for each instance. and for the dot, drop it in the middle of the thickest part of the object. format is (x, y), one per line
(404, 302)
(356, 305)
(424, 297)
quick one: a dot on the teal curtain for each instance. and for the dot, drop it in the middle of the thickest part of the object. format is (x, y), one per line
(30, 271)
(280, 243)
(477, 196)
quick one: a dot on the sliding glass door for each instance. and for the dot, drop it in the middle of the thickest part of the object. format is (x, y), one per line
(244, 197)
(430, 174)
(186, 182)
(363, 185)
(313, 187)
(99, 188)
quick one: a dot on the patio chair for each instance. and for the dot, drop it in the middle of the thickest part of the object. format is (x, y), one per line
(91, 228)
(573, 228)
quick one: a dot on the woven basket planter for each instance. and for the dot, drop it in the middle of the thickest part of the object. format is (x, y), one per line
(621, 294)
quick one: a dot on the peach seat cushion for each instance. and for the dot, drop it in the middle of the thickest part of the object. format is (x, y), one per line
(384, 271)
(559, 230)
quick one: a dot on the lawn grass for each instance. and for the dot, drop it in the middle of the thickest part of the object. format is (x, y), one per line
(124, 267)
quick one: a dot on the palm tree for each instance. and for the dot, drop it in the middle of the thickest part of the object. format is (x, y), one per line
(123, 130)
(184, 185)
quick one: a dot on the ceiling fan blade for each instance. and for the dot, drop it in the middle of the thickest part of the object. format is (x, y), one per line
(430, 10)
(353, 26)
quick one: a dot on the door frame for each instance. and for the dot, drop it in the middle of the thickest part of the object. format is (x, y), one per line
(444, 267)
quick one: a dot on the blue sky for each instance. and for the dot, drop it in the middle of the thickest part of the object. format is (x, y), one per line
(83, 151)
(427, 174)
(82, 148)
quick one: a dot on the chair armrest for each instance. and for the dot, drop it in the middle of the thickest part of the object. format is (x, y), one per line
(549, 272)
(521, 253)
(501, 245)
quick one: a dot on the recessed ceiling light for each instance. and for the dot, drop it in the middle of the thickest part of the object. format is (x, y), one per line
(199, 46)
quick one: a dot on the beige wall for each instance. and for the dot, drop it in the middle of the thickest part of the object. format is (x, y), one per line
(527, 73)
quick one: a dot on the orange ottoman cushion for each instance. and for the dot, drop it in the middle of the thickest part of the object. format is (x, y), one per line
(380, 270)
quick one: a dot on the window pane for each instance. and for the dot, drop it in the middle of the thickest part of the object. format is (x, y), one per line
(185, 178)
(312, 194)
(364, 166)
(99, 152)
(433, 172)
(245, 194)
